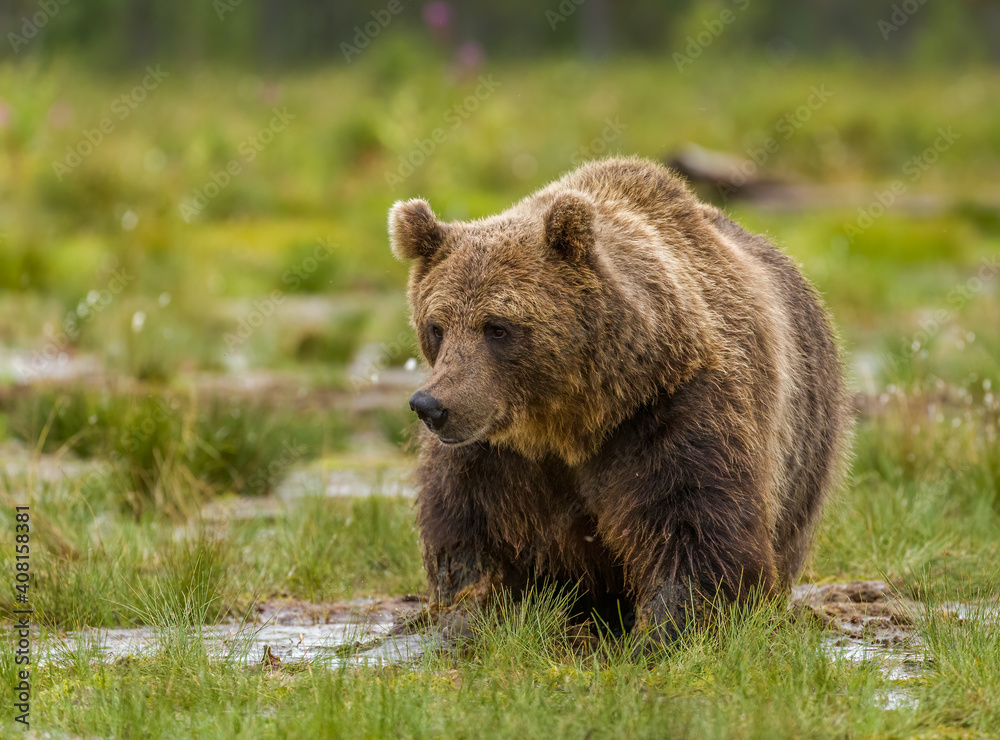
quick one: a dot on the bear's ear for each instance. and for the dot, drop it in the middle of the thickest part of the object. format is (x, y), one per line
(414, 230)
(569, 225)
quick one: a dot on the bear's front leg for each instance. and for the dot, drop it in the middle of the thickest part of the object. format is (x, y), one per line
(685, 496)
(711, 550)
(460, 515)
(454, 571)
(690, 528)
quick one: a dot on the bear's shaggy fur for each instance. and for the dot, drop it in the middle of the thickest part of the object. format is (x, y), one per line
(629, 392)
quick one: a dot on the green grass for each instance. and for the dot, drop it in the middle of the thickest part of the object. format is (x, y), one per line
(966, 676)
(925, 498)
(758, 674)
(927, 518)
(96, 565)
(287, 274)
(164, 445)
(306, 218)
(325, 549)
(932, 529)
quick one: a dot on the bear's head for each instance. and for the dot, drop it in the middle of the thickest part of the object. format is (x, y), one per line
(546, 325)
(504, 309)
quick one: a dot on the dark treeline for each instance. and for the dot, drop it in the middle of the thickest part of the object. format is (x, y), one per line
(279, 32)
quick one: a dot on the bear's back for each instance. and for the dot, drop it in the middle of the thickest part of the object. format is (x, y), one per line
(639, 184)
(769, 322)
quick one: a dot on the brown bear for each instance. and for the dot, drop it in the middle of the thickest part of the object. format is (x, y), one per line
(628, 392)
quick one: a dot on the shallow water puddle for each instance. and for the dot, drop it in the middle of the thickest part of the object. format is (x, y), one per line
(375, 480)
(246, 645)
(249, 645)
(864, 622)
(289, 633)
(871, 623)
(898, 664)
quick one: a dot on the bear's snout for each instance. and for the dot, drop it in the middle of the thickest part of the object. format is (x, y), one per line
(429, 409)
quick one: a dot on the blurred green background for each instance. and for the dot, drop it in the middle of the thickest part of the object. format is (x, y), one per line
(205, 354)
(193, 195)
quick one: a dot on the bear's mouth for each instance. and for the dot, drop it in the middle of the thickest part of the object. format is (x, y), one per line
(475, 437)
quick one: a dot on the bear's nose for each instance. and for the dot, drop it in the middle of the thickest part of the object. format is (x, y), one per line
(429, 410)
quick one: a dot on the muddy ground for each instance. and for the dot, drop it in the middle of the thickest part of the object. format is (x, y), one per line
(863, 619)
(862, 610)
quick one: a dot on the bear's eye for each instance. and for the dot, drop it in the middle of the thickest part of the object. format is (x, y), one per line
(496, 332)
(438, 332)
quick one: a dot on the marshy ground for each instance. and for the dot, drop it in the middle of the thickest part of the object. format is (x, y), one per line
(216, 455)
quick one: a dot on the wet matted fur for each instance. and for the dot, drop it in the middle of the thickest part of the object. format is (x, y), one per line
(641, 397)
